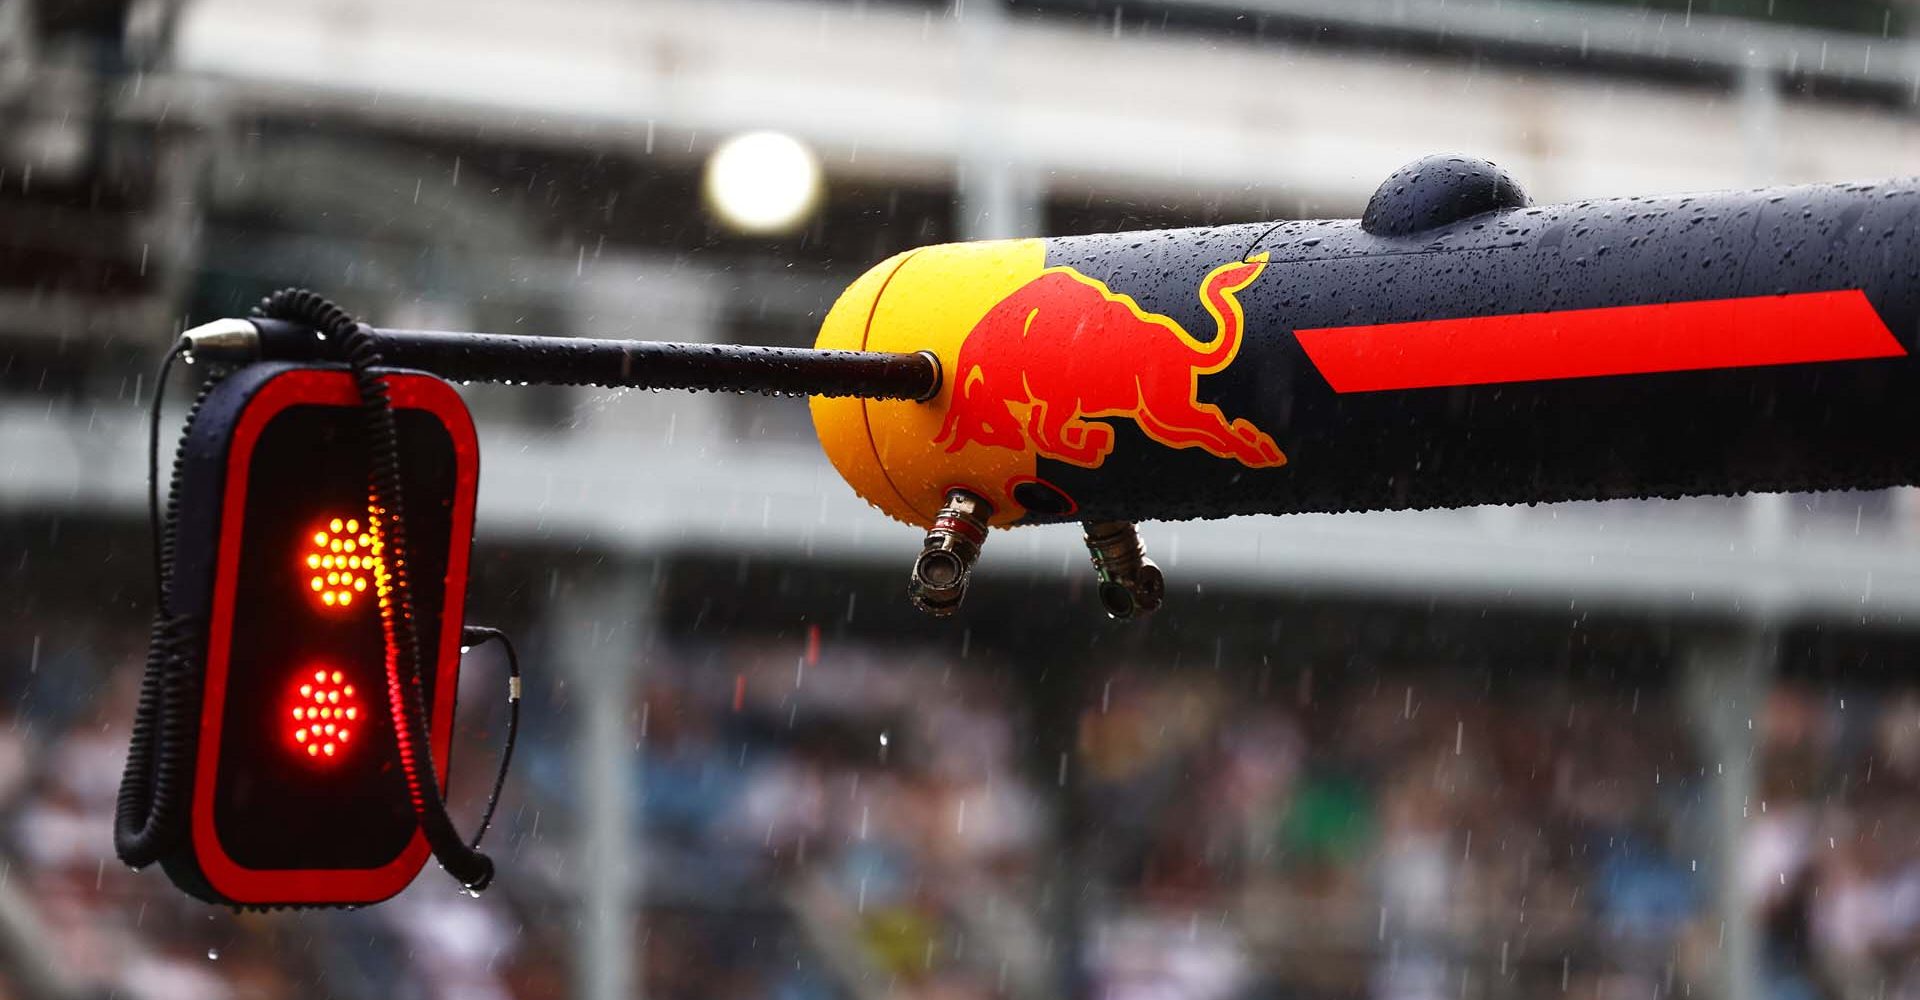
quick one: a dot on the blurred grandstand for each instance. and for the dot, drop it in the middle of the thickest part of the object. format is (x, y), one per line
(1609, 750)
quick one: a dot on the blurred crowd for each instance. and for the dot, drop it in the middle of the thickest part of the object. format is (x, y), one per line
(876, 795)
(1833, 857)
(1415, 835)
(1423, 836)
(843, 820)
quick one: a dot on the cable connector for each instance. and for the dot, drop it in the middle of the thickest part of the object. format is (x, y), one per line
(228, 341)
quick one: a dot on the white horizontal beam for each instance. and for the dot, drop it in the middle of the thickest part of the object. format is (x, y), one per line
(890, 91)
(641, 492)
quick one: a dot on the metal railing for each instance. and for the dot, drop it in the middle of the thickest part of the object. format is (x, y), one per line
(1579, 32)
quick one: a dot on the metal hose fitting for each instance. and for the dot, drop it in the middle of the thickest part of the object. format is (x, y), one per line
(945, 563)
(1130, 584)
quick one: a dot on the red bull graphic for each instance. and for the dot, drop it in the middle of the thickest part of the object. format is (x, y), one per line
(1046, 364)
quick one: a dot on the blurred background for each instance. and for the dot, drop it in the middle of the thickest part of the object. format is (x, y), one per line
(1595, 750)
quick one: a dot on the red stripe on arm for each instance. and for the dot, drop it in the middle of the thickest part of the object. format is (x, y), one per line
(1585, 343)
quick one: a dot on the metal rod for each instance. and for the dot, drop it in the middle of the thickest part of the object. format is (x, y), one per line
(487, 357)
(637, 364)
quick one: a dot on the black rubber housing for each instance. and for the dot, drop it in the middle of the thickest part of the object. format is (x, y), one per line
(1813, 426)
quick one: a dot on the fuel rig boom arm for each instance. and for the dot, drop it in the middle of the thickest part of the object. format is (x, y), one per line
(1457, 345)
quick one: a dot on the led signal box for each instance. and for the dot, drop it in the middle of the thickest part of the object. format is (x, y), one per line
(296, 792)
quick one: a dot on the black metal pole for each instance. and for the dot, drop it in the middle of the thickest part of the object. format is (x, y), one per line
(639, 364)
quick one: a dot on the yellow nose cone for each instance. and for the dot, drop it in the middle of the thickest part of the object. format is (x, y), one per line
(922, 300)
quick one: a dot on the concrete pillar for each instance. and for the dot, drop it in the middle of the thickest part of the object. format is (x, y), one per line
(602, 627)
(1759, 98)
(995, 199)
(1725, 679)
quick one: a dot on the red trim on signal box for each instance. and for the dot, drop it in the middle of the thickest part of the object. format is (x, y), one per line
(1585, 343)
(332, 388)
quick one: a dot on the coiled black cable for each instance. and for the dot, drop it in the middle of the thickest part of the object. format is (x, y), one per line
(149, 813)
(471, 636)
(386, 515)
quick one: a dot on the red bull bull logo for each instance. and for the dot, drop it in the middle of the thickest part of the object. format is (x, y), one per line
(1047, 364)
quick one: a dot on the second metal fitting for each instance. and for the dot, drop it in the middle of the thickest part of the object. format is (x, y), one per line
(1130, 584)
(945, 564)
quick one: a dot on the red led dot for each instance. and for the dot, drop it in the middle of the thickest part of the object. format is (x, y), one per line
(320, 707)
